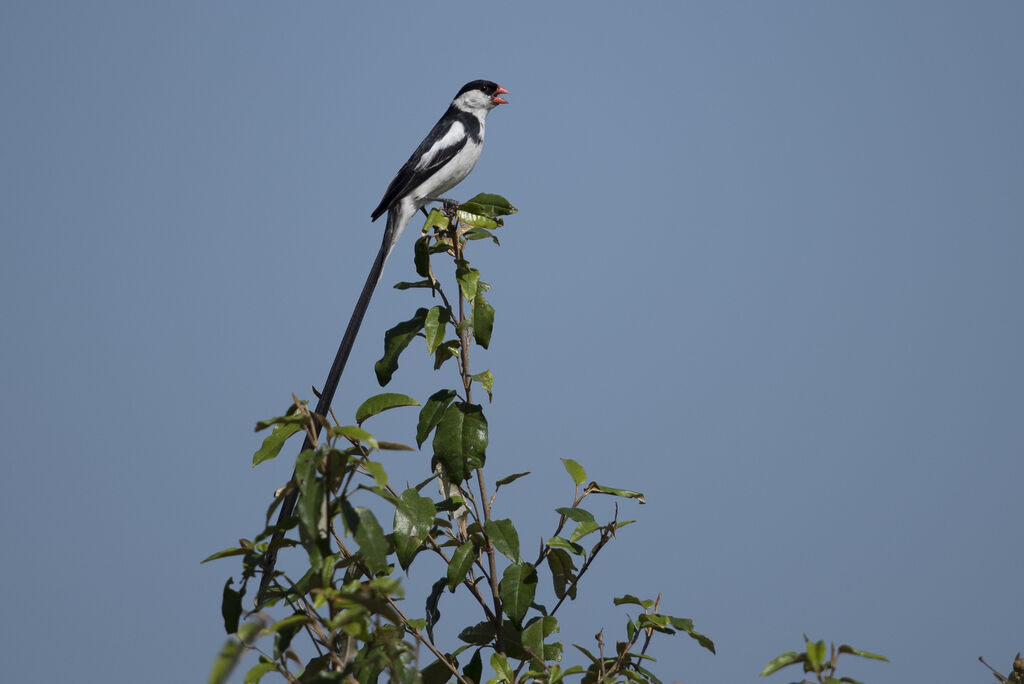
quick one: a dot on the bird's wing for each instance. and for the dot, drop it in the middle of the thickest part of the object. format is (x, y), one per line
(445, 140)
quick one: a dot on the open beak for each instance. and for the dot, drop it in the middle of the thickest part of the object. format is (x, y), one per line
(498, 100)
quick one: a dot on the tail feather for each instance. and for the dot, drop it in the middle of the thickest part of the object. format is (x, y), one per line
(399, 216)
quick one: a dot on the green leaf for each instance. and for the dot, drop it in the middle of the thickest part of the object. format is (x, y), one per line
(469, 279)
(486, 379)
(816, 653)
(414, 516)
(534, 633)
(517, 588)
(231, 607)
(434, 327)
(255, 674)
(479, 634)
(560, 543)
(576, 514)
(430, 414)
(501, 668)
(271, 446)
(846, 648)
(478, 220)
(311, 506)
(781, 661)
(290, 418)
(448, 350)
(395, 341)
(462, 561)
(629, 599)
(232, 651)
(503, 535)
(460, 442)
(625, 493)
(435, 219)
(509, 479)
(433, 612)
(368, 533)
(226, 553)
(480, 234)
(377, 471)
(562, 572)
(575, 470)
(405, 285)
(354, 433)
(283, 636)
(421, 256)
(483, 321)
(582, 530)
(434, 673)
(686, 625)
(489, 204)
(474, 668)
(382, 402)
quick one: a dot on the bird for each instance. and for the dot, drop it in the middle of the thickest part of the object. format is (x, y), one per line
(443, 160)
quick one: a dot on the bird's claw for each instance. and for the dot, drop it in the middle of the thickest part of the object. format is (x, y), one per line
(450, 206)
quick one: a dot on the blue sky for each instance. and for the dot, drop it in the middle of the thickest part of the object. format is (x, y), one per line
(767, 269)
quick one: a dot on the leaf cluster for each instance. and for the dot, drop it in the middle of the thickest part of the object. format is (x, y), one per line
(348, 604)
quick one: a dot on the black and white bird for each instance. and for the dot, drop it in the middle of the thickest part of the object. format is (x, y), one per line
(444, 158)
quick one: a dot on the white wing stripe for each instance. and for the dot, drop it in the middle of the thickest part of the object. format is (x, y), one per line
(454, 135)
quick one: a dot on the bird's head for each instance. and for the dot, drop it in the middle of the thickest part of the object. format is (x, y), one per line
(480, 95)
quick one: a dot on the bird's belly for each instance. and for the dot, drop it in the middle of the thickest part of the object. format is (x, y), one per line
(450, 175)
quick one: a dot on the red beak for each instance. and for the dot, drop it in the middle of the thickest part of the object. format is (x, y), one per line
(498, 100)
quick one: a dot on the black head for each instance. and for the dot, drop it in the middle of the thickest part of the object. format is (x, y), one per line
(488, 87)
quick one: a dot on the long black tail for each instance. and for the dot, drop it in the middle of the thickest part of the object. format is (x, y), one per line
(331, 384)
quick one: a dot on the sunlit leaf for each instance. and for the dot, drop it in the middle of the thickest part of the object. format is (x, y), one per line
(575, 470)
(382, 402)
(478, 220)
(846, 648)
(271, 446)
(501, 668)
(593, 487)
(560, 543)
(781, 661)
(629, 599)
(816, 653)
(354, 433)
(256, 672)
(469, 279)
(486, 380)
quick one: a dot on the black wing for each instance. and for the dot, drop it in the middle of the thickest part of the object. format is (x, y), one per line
(409, 177)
